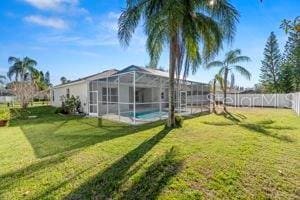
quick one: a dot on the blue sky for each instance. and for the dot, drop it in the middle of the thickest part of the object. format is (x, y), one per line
(75, 38)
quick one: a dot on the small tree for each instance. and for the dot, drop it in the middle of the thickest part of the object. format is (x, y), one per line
(24, 91)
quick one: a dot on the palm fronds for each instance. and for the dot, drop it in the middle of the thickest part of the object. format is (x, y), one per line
(244, 72)
(214, 64)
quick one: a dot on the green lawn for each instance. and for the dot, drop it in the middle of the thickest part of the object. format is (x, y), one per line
(248, 154)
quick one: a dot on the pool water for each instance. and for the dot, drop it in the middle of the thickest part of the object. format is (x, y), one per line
(147, 115)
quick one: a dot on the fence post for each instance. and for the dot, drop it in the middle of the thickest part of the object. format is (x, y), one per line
(276, 101)
(298, 103)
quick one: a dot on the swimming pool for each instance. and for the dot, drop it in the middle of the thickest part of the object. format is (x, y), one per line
(147, 115)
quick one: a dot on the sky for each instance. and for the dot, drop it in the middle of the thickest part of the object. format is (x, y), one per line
(76, 38)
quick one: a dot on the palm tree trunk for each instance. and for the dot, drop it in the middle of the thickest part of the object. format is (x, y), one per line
(214, 96)
(225, 88)
(172, 66)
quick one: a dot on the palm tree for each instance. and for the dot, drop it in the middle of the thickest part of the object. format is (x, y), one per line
(20, 68)
(217, 79)
(288, 25)
(228, 65)
(37, 77)
(181, 25)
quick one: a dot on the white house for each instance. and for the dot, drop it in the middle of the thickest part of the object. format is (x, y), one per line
(134, 95)
(77, 88)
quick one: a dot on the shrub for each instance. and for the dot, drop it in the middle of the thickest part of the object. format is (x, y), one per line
(5, 114)
(179, 121)
(70, 105)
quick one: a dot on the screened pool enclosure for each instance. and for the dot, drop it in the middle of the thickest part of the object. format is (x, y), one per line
(138, 95)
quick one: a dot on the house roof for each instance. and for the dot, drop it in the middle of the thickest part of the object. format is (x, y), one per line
(156, 72)
(103, 74)
(111, 72)
(144, 69)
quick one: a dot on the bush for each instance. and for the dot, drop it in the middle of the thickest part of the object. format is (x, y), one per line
(178, 121)
(70, 105)
(5, 114)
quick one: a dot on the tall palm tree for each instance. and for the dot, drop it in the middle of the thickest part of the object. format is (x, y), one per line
(181, 25)
(2, 79)
(20, 67)
(228, 66)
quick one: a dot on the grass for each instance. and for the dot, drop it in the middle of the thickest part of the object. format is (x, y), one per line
(245, 154)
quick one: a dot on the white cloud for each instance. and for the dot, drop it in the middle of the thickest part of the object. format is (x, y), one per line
(52, 22)
(51, 4)
(80, 41)
(70, 7)
(99, 31)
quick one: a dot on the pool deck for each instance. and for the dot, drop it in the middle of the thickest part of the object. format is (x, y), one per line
(129, 120)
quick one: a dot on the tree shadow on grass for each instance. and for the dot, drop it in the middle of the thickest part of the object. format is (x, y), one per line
(6, 180)
(153, 181)
(235, 117)
(264, 127)
(106, 185)
(51, 134)
(115, 173)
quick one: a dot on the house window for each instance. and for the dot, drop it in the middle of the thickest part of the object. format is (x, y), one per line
(162, 95)
(68, 93)
(137, 96)
(104, 94)
(112, 95)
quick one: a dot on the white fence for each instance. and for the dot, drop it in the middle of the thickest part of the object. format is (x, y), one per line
(291, 100)
(296, 102)
(257, 100)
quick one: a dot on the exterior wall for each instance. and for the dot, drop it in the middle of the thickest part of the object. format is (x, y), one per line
(124, 97)
(79, 89)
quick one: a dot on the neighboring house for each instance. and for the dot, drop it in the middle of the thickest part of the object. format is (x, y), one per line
(6, 96)
(134, 95)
